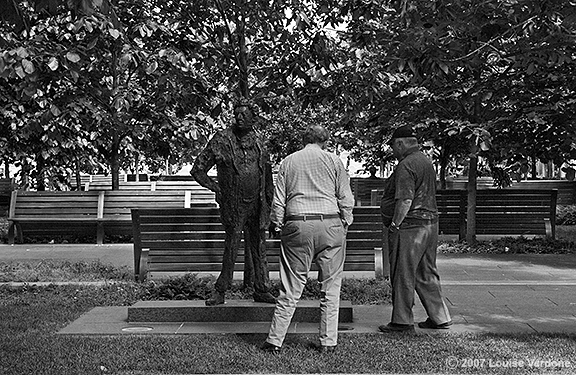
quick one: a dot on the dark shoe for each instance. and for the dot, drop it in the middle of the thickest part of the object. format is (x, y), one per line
(394, 327)
(217, 298)
(429, 324)
(270, 348)
(322, 348)
(263, 297)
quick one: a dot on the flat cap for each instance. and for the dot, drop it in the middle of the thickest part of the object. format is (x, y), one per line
(404, 131)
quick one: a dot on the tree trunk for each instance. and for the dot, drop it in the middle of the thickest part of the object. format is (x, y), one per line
(137, 166)
(242, 54)
(6, 168)
(114, 162)
(443, 167)
(24, 174)
(40, 165)
(78, 178)
(471, 206)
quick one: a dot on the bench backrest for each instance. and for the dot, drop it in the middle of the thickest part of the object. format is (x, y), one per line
(56, 204)
(192, 240)
(7, 185)
(515, 211)
(120, 202)
(498, 211)
(566, 189)
(196, 192)
(362, 188)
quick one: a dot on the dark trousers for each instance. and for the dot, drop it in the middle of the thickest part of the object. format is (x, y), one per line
(256, 265)
(413, 268)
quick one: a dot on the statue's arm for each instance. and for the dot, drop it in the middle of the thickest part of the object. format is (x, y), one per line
(269, 182)
(204, 162)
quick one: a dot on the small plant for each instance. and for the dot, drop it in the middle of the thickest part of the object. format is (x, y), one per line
(56, 271)
(193, 287)
(566, 215)
(512, 245)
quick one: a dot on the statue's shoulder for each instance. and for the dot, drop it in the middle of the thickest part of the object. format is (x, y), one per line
(221, 136)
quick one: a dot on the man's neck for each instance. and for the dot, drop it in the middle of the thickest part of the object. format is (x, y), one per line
(410, 150)
(316, 145)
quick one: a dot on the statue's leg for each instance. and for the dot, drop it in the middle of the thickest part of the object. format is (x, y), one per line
(231, 244)
(255, 243)
(248, 263)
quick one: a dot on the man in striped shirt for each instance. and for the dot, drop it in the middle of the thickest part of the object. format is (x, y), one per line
(312, 208)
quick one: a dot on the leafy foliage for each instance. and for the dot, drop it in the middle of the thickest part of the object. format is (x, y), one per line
(566, 215)
(512, 245)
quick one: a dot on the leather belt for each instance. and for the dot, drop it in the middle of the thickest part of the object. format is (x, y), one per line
(311, 217)
(413, 221)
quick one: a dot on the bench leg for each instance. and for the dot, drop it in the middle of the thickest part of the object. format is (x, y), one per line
(549, 229)
(11, 234)
(99, 234)
(143, 268)
(378, 263)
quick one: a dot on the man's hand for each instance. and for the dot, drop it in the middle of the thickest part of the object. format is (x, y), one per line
(274, 231)
(393, 228)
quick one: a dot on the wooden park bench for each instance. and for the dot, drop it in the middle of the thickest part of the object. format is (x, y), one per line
(55, 213)
(499, 212)
(116, 215)
(86, 213)
(192, 240)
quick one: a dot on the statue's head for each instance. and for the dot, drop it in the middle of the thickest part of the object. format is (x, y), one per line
(244, 112)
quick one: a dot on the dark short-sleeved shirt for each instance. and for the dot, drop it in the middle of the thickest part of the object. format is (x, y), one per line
(414, 178)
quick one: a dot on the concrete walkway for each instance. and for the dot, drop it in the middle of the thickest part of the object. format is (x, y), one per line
(485, 293)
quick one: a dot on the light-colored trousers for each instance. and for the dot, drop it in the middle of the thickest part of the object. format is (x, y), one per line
(413, 268)
(304, 242)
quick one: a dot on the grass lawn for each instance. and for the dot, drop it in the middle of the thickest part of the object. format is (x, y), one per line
(32, 315)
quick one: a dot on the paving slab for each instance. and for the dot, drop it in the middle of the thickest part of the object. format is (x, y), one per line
(231, 311)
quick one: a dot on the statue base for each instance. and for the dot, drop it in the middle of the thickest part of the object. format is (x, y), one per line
(231, 311)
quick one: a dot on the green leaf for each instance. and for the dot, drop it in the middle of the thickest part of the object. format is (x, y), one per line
(55, 110)
(20, 72)
(216, 111)
(92, 43)
(114, 33)
(22, 52)
(28, 66)
(152, 67)
(74, 75)
(53, 63)
(443, 66)
(73, 57)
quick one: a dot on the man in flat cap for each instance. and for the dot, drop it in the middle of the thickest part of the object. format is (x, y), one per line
(411, 218)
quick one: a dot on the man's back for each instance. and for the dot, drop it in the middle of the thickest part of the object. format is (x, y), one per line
(313, 181)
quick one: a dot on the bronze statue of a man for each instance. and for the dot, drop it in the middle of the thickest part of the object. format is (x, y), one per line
(244, 191)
